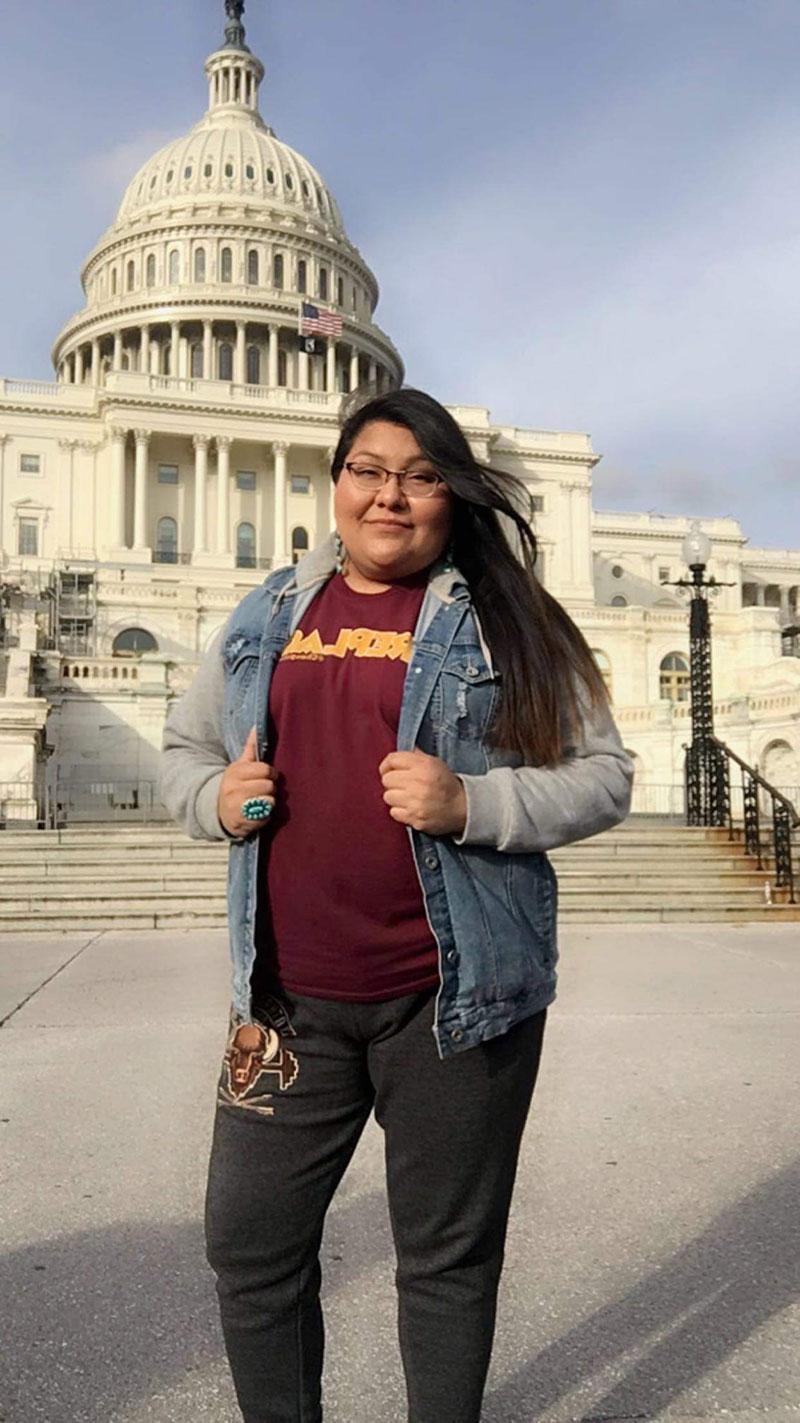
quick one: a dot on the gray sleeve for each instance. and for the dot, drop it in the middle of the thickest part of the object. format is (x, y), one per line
(193, 755)
(541, 807)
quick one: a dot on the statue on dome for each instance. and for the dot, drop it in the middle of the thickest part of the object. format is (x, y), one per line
(234, 30)
(234, 9)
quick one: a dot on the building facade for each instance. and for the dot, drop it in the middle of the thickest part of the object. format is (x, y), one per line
(184, 448)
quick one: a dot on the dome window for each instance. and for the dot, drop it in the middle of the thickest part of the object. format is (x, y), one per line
(197, 361)
(133, 641)
(153, 180)
(306, 189)
(277, 271)
(340, 291)
(208, 170)
(150, 271)
(318, 192)
(301, 276)
(228, 170)
(270, 175)
(130, 276)
(225, 362)
(323, 283)
(113, 281)
(250, 171)
(187, 172)
(174, 267)
(253, 365)
(200, 264)
(170, 175)
(226, 265)
(289, 181)
(252, 267)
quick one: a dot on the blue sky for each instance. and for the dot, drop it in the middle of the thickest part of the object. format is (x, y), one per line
(584, 214)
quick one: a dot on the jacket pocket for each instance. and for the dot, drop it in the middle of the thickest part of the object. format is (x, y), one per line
(469, 697)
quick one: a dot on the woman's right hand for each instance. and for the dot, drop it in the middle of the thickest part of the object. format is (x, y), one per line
(244, 779)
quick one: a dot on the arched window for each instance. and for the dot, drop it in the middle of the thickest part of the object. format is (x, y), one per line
(301, 275)
(299, 543)
(113, 281)
(131, 276)
(225, 360)
(245, 546)
(174, 267)
(779, 765)
(200, 264)
(150, 271)
(277, 270)
(253, 365)
(340, 291)
(323, 283)
(282, 368)
(166, 541)
(226, 265)
(132, 641)
(673, 678)
(619, 601)
(252, 267)
(197, 361)
(603, 664)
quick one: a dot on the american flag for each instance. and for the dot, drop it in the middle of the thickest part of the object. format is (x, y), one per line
(315, 322)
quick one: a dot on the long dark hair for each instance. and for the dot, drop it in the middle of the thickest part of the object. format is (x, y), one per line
(541, 655)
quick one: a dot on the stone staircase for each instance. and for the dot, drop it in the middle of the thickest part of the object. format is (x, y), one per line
(146, 877)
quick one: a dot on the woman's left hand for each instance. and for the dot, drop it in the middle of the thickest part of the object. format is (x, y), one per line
(421, 791)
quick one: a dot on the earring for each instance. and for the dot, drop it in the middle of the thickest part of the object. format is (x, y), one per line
(341, 554)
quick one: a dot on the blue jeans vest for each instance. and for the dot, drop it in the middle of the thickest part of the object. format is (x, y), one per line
(493, 914)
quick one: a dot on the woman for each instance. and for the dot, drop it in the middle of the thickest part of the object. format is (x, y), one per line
(392, 734)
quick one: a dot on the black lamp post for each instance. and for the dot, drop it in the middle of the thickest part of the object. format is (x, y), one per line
(706, 780)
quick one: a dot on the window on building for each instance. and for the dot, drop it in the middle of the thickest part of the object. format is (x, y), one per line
(131, 275)
(166, 541)
(133, 641)
(150, 271)
(619, 602)
(250, 171)
(323, 283)
(354, 299)
(277, 270)
(537, 503)
(253, 365)
(301, 276)
(30, 464)
(225, 361)
(197, 361)
(226, 265)
(200, 264)
(282, 368)
(245, 479)
(617, 571)
(289, 181)
(673, 678)
(187, 172)
(663, 575)
(228, 170)
(306, 189)
(174, 267)
(300, 484)
(167, 474)
(245, 546)
(603, 664)
(28, 538)
(270, 175)
(113, 281)
(299, 543)
(252, 267)
(208, 170)
(340, 291)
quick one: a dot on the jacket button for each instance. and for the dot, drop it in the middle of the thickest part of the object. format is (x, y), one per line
(456, 1034)
(452, 955)
(432, 861)
(472, 671)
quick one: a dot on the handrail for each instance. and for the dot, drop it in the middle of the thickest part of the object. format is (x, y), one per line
(708, 785)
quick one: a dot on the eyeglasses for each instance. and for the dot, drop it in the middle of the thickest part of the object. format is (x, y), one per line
(415, 484)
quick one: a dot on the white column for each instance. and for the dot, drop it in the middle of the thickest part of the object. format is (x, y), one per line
(223, 493)
(140, 489)
(144, 349)
(79, 366)
(117, 501)
(330, 356)
(280, 450)
(239, 362)
(200, 472)
(207, 351)
(117, 364)
(95, 362)
(272, 371)
(302, 370)
(174, 348)
(353, 369)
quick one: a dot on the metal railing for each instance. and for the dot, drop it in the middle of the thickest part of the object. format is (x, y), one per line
(57, 804)
(768, 817)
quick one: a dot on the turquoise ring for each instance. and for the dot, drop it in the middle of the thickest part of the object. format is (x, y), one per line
(257, 808)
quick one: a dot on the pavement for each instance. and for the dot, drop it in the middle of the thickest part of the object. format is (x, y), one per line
(654, 1246)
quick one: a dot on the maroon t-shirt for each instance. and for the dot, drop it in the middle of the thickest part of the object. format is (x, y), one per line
(341, 908)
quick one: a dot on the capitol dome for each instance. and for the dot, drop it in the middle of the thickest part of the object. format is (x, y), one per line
(223, 228)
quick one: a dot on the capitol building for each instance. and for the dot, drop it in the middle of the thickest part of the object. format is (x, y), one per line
(183, 449)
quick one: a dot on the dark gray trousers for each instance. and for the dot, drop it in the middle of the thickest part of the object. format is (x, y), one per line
(294, 1098)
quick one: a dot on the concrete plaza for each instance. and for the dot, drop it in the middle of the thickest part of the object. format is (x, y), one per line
(655, 1241)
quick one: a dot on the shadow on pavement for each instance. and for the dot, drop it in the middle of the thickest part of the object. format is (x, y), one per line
(710, 1297)
(98, 1320)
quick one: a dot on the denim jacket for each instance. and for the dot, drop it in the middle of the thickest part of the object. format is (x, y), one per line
(490, 893)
